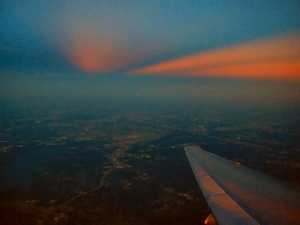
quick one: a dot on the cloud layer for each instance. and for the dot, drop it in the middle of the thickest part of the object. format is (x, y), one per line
(274, 58)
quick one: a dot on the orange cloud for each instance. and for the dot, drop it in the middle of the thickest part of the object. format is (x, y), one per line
(95, 51)
(276, 58)
(277, 69)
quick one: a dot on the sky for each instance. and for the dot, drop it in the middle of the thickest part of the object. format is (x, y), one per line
(89, 49)
(99, 37)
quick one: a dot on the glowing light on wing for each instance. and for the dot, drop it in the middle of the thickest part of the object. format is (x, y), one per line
(276, 58)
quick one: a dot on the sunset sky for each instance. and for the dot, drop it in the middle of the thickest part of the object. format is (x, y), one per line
(277, 58)
(256, 39)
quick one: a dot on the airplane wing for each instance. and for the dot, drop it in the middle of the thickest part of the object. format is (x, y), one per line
(239, 195)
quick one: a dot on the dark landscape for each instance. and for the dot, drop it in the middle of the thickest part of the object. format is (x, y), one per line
(128, 166)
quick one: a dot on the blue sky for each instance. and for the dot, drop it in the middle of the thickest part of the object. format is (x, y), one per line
(97, 37)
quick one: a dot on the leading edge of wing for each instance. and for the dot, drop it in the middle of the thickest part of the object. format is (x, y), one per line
(238, 195)
(224, 208)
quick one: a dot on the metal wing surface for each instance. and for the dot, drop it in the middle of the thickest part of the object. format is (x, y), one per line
(239, 195)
